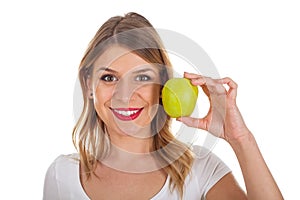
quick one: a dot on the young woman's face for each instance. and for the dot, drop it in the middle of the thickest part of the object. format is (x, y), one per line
(126, 92)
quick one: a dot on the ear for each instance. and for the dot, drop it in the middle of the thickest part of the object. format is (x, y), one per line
(89, 91)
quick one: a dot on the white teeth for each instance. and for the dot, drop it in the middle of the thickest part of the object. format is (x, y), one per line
(126, 113)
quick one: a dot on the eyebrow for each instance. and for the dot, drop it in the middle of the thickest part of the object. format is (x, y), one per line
(144, 70)
(135, 72)
(106, 69)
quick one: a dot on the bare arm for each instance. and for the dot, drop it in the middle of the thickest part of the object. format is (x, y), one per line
(259, 181)
(225, 121)
(226, 188)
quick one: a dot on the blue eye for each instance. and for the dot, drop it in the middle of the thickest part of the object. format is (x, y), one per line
(108, 78)
(142, 78)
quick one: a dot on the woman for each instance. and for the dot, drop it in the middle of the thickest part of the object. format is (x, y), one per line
(126, 149)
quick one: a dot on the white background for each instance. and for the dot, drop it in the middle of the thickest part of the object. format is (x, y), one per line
(42, 42)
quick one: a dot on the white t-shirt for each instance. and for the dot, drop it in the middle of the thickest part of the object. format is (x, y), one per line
(62, 180)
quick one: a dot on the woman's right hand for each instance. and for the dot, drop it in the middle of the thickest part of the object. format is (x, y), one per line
(223, 119)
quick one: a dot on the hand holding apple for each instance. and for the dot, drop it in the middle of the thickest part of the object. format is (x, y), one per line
(223, 119)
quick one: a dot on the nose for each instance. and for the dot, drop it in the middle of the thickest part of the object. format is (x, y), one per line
(124, 91)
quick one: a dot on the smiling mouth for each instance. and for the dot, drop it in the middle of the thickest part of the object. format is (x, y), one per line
(126, 114)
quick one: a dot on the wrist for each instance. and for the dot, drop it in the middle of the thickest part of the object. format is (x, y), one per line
(245, 139)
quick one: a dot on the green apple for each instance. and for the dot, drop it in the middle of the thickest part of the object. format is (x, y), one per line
(179, 97)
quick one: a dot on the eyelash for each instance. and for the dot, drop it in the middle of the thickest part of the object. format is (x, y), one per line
(112, 78)
(142, 78)
(109, 78)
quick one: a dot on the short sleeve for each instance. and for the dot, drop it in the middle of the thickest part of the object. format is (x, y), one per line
(62, 179)
(50, 184)
(208, 168)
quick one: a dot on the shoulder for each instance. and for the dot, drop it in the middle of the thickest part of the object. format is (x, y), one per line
(206, 158)
(65, 161)
(69, 159)
(207, 168)
(63, 166)
(62, 179)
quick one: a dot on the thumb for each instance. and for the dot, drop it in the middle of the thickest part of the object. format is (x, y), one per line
(194, 122)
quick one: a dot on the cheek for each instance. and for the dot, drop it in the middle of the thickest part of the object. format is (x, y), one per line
(150, 94)
(102, 95)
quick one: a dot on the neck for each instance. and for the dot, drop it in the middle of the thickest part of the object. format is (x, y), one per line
(130, 154)
(131, 144)
(131, 138)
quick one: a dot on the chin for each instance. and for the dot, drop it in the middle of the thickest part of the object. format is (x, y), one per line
(134, 130)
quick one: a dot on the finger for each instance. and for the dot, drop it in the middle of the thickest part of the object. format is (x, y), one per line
(232, 91)
(209, 85)
(200, 79)
(191, 75)
(195, 79)
(194, 122)
(213, 87)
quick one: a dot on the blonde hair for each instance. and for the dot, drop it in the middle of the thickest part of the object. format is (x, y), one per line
(89, 136)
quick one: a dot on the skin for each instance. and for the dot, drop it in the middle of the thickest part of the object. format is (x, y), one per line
(231, 127)
(223, 120)
(122, 79)
(130, 83)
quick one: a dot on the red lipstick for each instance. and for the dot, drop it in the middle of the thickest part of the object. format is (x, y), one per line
(126, 114)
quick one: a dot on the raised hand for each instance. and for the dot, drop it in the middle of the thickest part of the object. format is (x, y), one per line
(223, 119)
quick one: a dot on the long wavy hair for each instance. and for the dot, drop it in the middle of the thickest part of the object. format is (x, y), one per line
(133, 32)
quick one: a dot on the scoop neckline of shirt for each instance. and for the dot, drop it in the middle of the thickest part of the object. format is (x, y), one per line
(157, 195)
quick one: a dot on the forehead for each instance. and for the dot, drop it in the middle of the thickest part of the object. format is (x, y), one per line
(120, 59)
